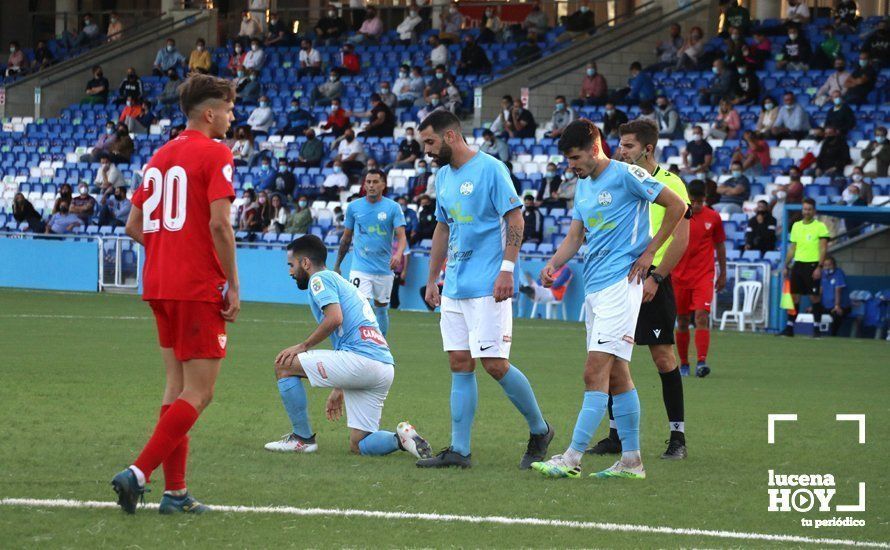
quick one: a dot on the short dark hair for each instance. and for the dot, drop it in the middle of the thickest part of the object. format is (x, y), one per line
(377, 172)
(198, 88)
(696, 189)
(486, 132)
(309, 246)
(562, 97)
(644, 129)
(508, 97)
(636, 65)
(580, 134)
(809, 201)
(439, 121)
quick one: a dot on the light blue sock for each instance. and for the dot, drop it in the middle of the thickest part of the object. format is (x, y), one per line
(592, 410)
(382, 314)
(294, 398)
(464, 395)
(378, 444)
(522, 396)
(626, 409)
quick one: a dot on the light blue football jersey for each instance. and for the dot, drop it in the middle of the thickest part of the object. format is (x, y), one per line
(359, 332)
(373, 225)
(472, 200)
(615, 211)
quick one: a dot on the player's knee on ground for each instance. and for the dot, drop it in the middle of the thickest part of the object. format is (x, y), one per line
(461, 361)
(380, 304)
(355, 437)
(495, 366)
(701, 319)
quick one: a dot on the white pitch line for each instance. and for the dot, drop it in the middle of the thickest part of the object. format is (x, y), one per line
(497, 520)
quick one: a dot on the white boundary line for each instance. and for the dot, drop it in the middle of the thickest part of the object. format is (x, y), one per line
(497, 520)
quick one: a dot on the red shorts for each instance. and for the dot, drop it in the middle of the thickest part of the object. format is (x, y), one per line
(195, 330)
(694, 298)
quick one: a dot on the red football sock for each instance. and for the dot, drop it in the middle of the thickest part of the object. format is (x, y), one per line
(702, 341)
(174, 464)
(683, 346)
(171, 428)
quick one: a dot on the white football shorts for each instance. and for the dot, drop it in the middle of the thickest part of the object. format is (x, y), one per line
(373, 287)
(611, 317)
(480, 325)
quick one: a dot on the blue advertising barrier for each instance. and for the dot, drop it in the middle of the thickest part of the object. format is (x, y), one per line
(49, 264)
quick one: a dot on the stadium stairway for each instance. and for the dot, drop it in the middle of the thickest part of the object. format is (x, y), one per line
(616, 44)
(44, 94)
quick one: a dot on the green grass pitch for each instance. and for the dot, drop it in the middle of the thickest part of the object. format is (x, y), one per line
(81, 381)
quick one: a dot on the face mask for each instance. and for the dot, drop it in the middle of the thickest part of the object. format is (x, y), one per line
(384, 90)
(409, 137)
(880, 139)
(591, 72)
(412, 13)
(735, 37)
(332, 78)
(768, 106)
(698, 137)
(264, 168)
(86, 21)
(792, 36)
(109, 131)
(837, 101)
(199, 47)
(113, 20)
(293, 108)
(169, 48)
(273, 21)
(857, 177)
(337, 169)
(331, 13)
(434, 169)
(714, 70)
(334, 108)
(789, 107)
(584, 9)
(742, 70)
(863, 62)
(610, 112)
(403, 74)
(254, 47)
(736, 173)
(83, 190)
(569, 175)
(240, 74)
(434, 102)
(550, 173)
(282, 168)
(253, 77)
(238, 49)
(440, 76)
(263, 104)
(129, 103)
(560, 106)
(421, 170)
(12, 49)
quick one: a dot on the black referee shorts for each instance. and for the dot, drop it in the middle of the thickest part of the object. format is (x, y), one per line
(655, 325)
(802, 281)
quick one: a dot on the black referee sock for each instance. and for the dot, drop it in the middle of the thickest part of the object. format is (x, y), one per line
(672, 393)
(613, 431)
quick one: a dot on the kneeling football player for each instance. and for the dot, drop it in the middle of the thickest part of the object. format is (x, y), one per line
(359, 368)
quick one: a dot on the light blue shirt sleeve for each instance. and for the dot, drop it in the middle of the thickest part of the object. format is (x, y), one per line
(398, 217)
(322, 291)
(349, 221)
(641, 184)
(503, 194)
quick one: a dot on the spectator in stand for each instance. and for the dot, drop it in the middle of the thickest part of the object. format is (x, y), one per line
(835, 297)
(408, 153)
(87, 36)
(798, 13)
(115, 28)
(102, 145)
(141, 124)
(494, 146)
(405, 96)
(419, 181)
(248, 87)
(83, 205)
(324, 94)
(337, 121)
(796, 52)
(249, 218)
(668, 50)
(767, 118)
(122, 147)
(351, 153)
(280, 182)
(130, 88)
(861, 81)
(411, 221)
(63, 222)
(836, 81)
(548, 193)
(581, 21)
(350, 62)
(562, 116)
(533, 231)
(865, 188)
(528, 52)
(311, 152)
(788, 193)
(491, 28)
(499, 125)
(756, 159)
(473, 59)
(762, 48)
(242, 148)
(426, 219)
(736, 16)
(132, 110)
(387, 97)
(746, 89)
(876, 155)
(17, 62)
(691, 51)
(698, 154)
(236, 60)
(594, 90)
(255, 58)
(845, 17)
(828, 50)
(853, 195)
(97, 88)
(335, 182)
(536, 21)
(669, 124)
(266, 211)
(733, 192)
(834, 154)
(261, 119)
(734, 43)
(612, 119)
(278, 33)
(108, 176)
(309, 59)
(371, 29)
(250, 29)
(382, 122)
(433, 104)
(298, 119)
(416, 87)
(517, 184)
(452, 99)
(450, 23)
(167, 58)
(330, 28)
(115, 207)
(640, 87)
(522, 122)
(24, 211)
(751, 58)
(279, 214)
(792, 121)
(877, 44)
(199, 58)
(727, 123)
(300, 219)
(264, 171)
(840, 115)
(407, 29)
(64, 196)
(721, 87)
(438, 53)
(760, 233)
(43, 57)
(438, 83)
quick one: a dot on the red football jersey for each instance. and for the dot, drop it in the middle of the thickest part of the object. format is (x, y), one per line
(180, 181)
(697, 263)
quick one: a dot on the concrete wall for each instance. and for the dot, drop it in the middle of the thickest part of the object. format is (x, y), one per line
(867, 257)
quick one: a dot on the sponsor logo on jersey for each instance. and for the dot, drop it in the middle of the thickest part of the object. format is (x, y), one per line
(466, 188)
(371, 334)
(596, 222)
(222, 339)
(316, 285)
(458, 215)
(604, 198)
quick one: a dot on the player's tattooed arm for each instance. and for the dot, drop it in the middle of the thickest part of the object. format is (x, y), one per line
(515, 228)
(345, 242)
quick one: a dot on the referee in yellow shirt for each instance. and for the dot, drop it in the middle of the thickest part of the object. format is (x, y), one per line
(803, 263)
(658, 313)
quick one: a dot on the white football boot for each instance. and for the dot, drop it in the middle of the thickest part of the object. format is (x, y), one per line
(292, 443)
(410, 441)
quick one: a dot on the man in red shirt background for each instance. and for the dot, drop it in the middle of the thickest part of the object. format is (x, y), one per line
(180, 215)
(693, 278)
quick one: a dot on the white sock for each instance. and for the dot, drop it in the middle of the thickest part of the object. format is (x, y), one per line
(140, 477)
(178, 493)
(572, 457)
(677, 427)
(613, 425)
(631, 459)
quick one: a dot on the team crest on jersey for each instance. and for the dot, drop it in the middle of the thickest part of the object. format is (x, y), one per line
(604, 198)
(316, 285)
(466, 188)
(708, 225)
(227, 172)
(223, 339)
(381, 216)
